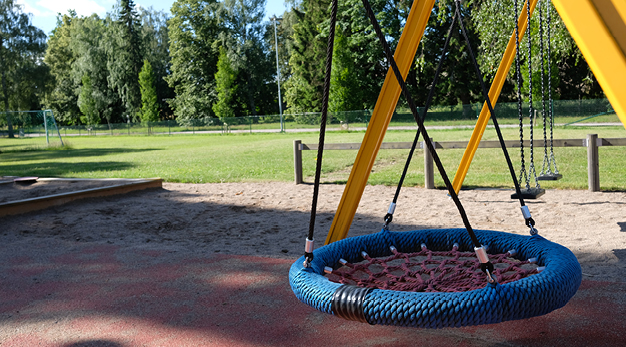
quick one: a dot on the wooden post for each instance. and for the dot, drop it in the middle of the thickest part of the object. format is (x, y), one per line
(297, 161)
(593, 164)
(429, 175)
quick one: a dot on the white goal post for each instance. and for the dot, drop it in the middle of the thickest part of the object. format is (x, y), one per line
(22, 120)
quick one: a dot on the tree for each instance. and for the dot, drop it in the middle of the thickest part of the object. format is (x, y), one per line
(155, 44)
(243, 38)
(149, 103)
(125, 60)
(361, 47)
(192, 31)
(304, 89)
(225, 86)
(345, 92)
(90, 36)
(571, 76)
(87, 103)
(22, 74)
(62, 98)
(457, 83)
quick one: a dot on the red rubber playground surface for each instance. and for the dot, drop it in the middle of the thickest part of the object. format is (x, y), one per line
(57, 293)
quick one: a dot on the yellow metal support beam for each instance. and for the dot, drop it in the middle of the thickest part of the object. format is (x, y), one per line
(385, 105)
(599, 29)
(494, 93)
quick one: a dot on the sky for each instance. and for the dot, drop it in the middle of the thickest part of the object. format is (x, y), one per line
(44, 11)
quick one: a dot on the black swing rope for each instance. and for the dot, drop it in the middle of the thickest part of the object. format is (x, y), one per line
(529, 221)
(308, 253)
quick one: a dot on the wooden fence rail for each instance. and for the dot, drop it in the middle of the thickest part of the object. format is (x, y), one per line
(592, 142)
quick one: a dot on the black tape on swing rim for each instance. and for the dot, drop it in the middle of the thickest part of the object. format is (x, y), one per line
(348, 302)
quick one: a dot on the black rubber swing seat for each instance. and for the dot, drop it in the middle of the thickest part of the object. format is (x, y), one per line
(550, 177)
(532, 193)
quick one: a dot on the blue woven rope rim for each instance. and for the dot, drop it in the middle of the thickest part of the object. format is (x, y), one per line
(529, 297)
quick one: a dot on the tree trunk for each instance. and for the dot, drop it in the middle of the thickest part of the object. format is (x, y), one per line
(250, 96)
(5, 95)
(467, 107)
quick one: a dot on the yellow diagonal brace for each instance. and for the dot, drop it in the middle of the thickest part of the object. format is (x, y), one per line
(385, 105)
(599, 29)
(494, 94)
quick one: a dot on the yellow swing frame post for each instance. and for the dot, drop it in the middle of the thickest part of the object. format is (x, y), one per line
(385, 105)
(599, 29)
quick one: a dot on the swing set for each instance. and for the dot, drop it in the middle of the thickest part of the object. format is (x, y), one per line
(450, 277)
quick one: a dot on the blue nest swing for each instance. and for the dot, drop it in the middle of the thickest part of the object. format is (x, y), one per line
(529, 297)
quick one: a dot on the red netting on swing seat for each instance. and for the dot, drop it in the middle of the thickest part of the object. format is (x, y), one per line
(430, 271)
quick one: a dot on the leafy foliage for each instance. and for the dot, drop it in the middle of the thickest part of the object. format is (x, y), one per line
(304, 88)
(217, 58)
(149, 104)
(89, 45)
(192, 31)
(104, 49)
(155, 48)
(360, 49)
(59, 57)
(344, 89)
(243, 37)
(23, 77)
(457, 82)
(87, 103)
(225, 86)
(570, 75)
(125, 59)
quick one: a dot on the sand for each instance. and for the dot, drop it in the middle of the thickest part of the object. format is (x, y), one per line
(271, 219)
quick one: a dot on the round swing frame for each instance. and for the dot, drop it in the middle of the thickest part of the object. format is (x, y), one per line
(532, 296)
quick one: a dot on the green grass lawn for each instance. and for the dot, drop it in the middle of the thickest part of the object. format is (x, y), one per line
(269, 157)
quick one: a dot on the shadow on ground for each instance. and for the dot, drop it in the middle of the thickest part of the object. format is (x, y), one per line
(61, 163)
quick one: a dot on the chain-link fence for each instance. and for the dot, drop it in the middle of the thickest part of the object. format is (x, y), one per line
(31, 123)
(574, 109)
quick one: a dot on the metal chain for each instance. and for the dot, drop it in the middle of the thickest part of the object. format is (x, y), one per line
(551, 110)
(523, 177)
(531, 166)
(546, 162)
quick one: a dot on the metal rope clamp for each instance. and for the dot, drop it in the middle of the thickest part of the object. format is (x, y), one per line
(308, 252)
(530, 222)
(389, 216)
(485, 265)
